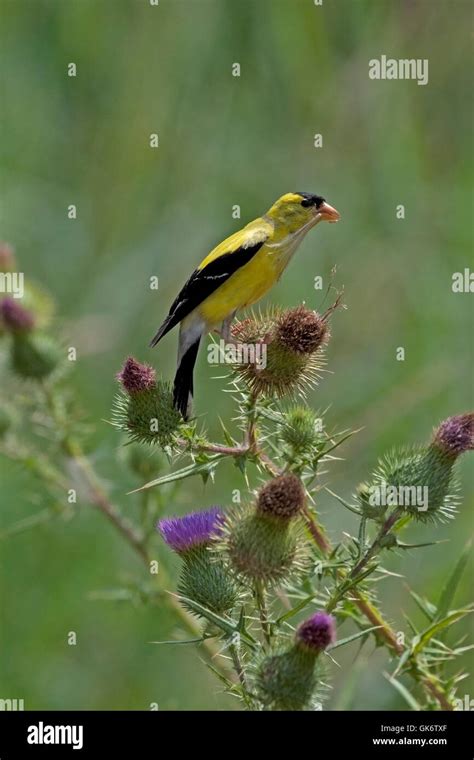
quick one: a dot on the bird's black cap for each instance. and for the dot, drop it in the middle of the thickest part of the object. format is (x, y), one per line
(311, 200)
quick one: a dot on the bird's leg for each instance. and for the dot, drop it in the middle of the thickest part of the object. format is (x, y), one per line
(225, 329)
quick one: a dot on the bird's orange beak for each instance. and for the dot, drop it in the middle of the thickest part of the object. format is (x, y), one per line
(328, 213)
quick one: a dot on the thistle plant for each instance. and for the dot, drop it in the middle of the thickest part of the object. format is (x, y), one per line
(203, 578)
(263, 592)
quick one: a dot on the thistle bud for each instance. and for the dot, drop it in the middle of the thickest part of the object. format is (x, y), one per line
(289, 681)
(34, 356)
(203, 576)
(299, 429)
(145, 409)
(420, 481)
(14, 317)
(294, 341)
(265, 544)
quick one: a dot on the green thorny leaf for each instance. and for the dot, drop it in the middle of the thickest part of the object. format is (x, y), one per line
(226, 625)
(196, 468)
(449, 590)
(419, 642)
(358, 635)
(407, 696)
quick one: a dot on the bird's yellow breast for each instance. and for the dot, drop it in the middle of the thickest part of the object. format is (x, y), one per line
(245, 287)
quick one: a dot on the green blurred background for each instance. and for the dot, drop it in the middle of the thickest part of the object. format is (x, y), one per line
(227, 140)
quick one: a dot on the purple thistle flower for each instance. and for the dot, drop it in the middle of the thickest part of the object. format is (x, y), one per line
(15, 317)
(136, 377)
(317, 633)
(455, 435)
(190, 531)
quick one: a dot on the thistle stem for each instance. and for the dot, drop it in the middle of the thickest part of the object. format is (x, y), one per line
(239, 669)
(429, 682)
(384, 631)
(251, 435)
(261, 605)
(215, 448)
(73, 450)
(377, 543)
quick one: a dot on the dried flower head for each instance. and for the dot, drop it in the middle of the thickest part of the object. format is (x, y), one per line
(282, 497)
(455, 435)
(317, 632)
(136, 377)
(291, 348)
(195, 529)
(301, 330)
(15, 317)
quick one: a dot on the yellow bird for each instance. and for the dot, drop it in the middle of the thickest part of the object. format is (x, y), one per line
(236, 274)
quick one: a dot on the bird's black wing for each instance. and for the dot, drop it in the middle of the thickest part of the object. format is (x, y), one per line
(203, 282)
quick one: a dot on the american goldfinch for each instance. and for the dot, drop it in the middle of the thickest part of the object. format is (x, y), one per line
(236, 274)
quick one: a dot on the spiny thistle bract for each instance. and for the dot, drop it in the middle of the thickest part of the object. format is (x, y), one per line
(203, 578)
(283, 497)
(421, 480)
(299, 429)
(144, 409)
(289, 680)
(265, 542)
(294, 341)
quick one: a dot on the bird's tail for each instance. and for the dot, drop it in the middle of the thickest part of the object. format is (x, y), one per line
(183, 381)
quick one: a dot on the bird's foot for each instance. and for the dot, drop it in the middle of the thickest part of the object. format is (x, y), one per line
(226, 329)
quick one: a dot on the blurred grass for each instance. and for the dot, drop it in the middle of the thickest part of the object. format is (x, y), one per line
(226, 141)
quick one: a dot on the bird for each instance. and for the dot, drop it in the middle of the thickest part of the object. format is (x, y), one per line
(235, 275)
